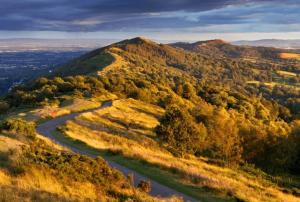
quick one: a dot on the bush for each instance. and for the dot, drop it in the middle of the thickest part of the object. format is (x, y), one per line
(144, 186)
(4, 106)
(178, 129)
(20, 126)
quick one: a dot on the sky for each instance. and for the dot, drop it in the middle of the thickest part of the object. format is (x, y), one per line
(185, 20)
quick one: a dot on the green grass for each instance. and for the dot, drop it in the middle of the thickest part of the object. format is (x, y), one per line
(155, 173)
(88, 65)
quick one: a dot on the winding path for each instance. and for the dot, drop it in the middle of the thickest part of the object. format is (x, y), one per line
(47, 129)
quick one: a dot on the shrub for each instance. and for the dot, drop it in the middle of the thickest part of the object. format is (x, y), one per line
(20, 126)
(144, 186)
(178, 129)
(4, 106)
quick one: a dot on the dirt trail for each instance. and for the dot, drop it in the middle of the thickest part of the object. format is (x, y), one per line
(47, 129)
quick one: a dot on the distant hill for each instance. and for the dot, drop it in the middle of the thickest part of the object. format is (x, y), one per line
(276, 43)
(219, 48)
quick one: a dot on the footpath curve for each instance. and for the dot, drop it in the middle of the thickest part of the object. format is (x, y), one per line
(47, 128)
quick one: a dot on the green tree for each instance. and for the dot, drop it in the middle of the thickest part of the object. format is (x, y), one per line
(20, 127)
(178, 129)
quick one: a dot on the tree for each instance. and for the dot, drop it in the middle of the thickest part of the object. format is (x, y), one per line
(224, 138)
(188, 91)
(20, 126)
(4, 106)
(178, 129)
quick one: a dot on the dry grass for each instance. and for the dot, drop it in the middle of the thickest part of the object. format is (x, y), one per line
(7, 144)
(39, 184)
(42, 179)
(290, 56)
(4, 178)
(108, 129)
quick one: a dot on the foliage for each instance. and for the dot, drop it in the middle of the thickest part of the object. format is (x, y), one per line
(178, 129)
(19, 126)
(4, 106)
(144, 186)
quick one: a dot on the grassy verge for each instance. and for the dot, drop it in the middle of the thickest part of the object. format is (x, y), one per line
(153, 172)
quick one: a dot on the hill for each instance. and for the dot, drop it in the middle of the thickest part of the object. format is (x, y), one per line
(215, 128)
(219, 48)
(213, 61)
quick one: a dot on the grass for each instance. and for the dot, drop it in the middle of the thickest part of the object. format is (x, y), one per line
(279, 82)
(7, 144)
(37, 183)
(108, 130)
(88, 64)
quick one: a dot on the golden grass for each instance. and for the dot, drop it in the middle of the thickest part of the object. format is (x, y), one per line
(4, 178)
(118, 63)
(39, 184)
(272, 84)
(99, 130)
(51, 143)
(290, 56)
(7, 144)
(42, 179)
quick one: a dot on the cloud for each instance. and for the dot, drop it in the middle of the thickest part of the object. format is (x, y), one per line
(132, 15)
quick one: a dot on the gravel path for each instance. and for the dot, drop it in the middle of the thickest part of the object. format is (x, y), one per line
(47, 128)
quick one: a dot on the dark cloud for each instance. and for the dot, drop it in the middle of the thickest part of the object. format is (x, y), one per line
(95, 15)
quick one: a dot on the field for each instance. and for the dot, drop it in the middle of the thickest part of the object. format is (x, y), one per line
(126, 130)
(290, 56)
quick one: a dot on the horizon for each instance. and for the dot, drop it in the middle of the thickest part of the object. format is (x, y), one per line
(184, 20)
(153, 39)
